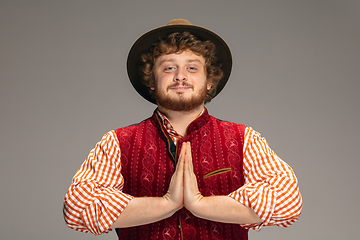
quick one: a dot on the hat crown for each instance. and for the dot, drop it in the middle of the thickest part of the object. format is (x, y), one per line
(179, 22)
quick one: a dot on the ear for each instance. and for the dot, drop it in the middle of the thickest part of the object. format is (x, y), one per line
(209, 86)
(152, 85)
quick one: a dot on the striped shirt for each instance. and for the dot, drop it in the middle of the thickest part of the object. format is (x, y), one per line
(95, 199)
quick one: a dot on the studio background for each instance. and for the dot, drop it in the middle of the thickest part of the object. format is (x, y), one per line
(63, 84)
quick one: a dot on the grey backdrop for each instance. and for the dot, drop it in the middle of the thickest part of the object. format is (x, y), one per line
(64, 84)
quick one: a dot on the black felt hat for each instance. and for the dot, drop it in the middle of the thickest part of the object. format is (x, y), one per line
(146, 41)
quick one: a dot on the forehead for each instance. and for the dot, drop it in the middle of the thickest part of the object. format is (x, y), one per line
(186, 56)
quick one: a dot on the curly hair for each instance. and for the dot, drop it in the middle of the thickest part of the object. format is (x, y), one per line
(179, 42)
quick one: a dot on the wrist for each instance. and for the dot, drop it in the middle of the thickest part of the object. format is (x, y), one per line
(196, 205)
(171, 205)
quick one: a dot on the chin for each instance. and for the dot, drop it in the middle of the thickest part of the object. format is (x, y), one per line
(181, 101)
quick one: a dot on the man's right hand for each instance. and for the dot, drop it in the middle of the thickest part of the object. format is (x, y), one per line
(175, 193)
(144, 210)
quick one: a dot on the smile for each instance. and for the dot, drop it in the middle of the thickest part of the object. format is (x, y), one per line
(180, 87)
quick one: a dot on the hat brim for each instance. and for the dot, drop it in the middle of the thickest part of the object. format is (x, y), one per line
(146, 41)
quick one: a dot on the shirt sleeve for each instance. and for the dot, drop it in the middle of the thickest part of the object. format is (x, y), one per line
(271, 187)
(95, 199)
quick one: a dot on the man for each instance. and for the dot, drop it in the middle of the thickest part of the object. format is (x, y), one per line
(181, 174)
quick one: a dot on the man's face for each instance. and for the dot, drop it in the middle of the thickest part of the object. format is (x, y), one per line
(180, 81)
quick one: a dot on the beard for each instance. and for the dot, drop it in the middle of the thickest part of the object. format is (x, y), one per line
(180, 103)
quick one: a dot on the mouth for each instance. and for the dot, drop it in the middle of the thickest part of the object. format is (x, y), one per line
(181, 87)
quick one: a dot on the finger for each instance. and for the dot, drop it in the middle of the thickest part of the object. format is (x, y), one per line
(188, 163)
(185, 147)
(190, 158)
(177, 178)
(181, 157)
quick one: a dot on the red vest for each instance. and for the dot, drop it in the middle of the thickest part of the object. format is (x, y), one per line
(148, 158)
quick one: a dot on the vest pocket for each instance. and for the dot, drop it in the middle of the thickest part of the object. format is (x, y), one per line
(216, 172)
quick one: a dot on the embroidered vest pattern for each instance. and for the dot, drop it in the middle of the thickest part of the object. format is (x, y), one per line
(148, 158)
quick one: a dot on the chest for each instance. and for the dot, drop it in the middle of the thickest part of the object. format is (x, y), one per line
(148, 157)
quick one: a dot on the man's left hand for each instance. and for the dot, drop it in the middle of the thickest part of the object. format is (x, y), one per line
(216, 208)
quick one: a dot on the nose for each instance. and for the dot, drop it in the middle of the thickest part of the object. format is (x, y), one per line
(180, 75)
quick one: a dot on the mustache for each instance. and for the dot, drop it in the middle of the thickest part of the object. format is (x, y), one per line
(183, 84)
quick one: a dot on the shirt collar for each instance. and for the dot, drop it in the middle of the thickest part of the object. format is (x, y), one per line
(169, 128)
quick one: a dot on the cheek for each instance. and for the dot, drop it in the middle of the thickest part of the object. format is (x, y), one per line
(157, 84)
(163, 80)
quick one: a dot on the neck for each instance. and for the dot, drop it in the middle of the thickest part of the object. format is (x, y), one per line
(180, 120)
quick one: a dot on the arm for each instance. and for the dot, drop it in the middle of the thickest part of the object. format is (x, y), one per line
(95, 198)
(95, 202)
(215, 208)
(270, 188)
(144, 207)
(165, 206)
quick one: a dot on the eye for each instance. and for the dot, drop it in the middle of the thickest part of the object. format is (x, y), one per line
(168, 69)
(192, 69)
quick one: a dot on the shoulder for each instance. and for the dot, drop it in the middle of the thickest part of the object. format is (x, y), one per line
(229, 128)
(225, 122)
(253, 134)
(134, 125)
(133, 129)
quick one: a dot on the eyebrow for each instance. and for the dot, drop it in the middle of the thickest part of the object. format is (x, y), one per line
(173, 60)
(195, 60)
(166, 60)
